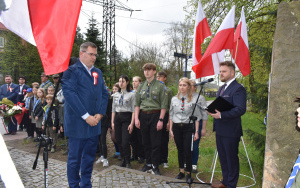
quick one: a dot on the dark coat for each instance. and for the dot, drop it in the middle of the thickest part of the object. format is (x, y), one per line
(230, 124)
(81, 97)
(11, 94)
(38, 110)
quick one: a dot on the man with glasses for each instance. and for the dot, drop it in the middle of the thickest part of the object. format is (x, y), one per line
(86, 100)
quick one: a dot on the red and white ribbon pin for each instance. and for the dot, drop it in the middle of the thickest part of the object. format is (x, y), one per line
(95, 75)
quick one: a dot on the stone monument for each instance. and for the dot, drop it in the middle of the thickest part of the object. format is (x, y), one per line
(282, 139)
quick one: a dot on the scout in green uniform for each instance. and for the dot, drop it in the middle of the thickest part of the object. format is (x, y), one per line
(150, 108)
(162, 77)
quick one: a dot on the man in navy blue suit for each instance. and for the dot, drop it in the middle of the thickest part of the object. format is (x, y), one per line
(22, 92)
(85, 104)
(10, 91)
(228, 126)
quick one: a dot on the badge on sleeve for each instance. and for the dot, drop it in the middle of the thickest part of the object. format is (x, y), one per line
(95, 75)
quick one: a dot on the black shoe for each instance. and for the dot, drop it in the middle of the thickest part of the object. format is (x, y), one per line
(189, 179)
(122, 163)
(36, 140)
(7, 134)
(142, 160)
(128, 165)
(180, 176)
(146, 168)
(155, 171)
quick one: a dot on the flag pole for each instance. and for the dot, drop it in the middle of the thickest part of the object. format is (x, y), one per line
(236, 50)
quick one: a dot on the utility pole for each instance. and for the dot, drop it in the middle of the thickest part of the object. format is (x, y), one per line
(108, 30)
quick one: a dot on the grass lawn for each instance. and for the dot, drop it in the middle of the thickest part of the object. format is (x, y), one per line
(208, 146)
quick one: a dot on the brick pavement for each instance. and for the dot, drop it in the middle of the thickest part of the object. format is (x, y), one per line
(113, 176)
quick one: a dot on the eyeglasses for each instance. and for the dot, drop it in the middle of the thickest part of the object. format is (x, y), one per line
(91, 54)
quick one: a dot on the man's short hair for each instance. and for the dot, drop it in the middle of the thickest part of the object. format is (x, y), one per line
(8, 76)
(149, 66)
(23, 77)
(228, 64)
(162, 73)
(49, 96)
(84, 46)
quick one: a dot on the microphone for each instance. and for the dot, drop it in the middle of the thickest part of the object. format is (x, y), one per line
(204, 82)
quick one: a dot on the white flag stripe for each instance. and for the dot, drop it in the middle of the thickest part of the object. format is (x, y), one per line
(228, 21)
(17, 20)
(244, 28)
(200, 14)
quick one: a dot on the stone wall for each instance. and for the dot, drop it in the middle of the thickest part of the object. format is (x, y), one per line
(282, 140)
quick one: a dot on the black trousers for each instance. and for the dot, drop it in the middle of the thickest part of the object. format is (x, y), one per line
(164, 141)
(136, 143)
(228, 148)
(151, 137)
(183, 141)
(102, 141)
(30, 129)
(122, 121)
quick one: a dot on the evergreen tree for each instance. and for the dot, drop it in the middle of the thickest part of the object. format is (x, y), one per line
(20, 58)
(78, 40)
(93, 35)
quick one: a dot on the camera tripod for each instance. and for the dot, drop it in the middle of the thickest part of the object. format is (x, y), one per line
(45, 142)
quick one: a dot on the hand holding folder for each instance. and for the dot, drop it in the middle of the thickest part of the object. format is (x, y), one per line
(220, 104)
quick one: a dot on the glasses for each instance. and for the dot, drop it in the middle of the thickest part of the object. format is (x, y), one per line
(91, 54)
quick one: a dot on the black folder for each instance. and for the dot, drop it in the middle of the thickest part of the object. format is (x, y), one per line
(220, 104)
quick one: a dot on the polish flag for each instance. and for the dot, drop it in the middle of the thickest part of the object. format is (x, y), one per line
(241, 47)
(48, 24)
(214, 54)
(201, 32)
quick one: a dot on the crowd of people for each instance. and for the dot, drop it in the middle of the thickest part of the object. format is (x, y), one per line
(140, 116)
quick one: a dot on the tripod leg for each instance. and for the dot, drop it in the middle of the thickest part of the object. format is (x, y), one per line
(215, 161)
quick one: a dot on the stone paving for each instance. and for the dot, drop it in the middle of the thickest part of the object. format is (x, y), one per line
(113, 176)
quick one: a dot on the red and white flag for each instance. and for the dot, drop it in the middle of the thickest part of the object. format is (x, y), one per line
(201, 32)
(241, 46)
(48, 24)
(214, 54)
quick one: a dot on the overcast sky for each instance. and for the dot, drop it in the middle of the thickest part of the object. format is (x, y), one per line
(134, 29)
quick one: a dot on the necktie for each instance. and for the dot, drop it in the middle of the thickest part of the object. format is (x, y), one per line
(148, 90)
(7, 87)
(223, 89)
(182, 105)
(121, 98)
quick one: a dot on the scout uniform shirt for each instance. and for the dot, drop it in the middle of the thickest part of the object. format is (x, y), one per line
(201, 105)
(181, 109)
(152, 96)
(123, 102)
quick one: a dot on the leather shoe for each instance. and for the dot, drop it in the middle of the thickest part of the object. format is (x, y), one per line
(220, 185)
(13, 133)
(7, 134)
(180, 176)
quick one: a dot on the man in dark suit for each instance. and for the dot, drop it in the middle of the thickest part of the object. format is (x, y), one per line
(22, 89)
(228, 126)
(22, 92)
(10, 91)
(85, 104)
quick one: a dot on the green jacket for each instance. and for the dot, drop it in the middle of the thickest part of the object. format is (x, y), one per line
(155, 98)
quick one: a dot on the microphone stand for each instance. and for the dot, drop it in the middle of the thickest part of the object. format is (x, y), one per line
(193, 118)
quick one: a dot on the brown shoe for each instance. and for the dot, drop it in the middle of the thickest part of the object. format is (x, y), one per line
(220, 185)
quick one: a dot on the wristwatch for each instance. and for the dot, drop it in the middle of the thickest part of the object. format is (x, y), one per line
(160, 119)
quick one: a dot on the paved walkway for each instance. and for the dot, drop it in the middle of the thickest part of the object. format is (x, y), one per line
(113, 176)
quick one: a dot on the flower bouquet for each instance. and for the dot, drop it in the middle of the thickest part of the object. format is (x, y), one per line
(9, 109)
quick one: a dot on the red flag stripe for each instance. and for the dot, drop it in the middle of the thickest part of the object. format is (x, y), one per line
(53, 25)
(202, 32)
